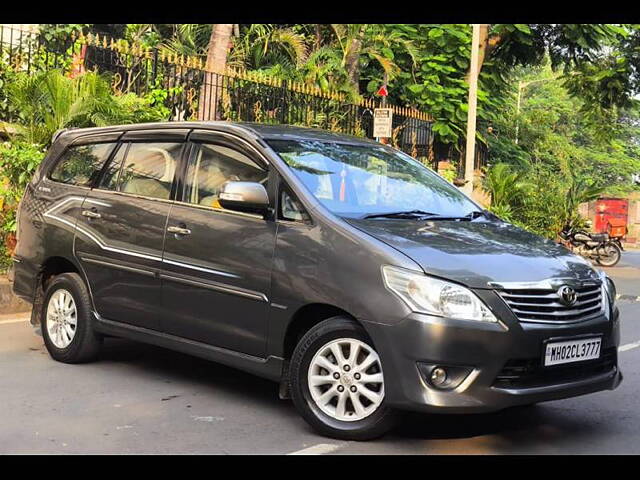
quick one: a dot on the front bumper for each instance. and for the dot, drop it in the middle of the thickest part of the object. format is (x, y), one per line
(488, 350)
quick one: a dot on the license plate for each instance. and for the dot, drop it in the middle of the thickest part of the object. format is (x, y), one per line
(572, 351)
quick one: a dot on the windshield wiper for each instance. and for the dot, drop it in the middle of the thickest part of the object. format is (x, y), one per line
(406, 214)
(468, 217)
(422, 215)
(476, 213)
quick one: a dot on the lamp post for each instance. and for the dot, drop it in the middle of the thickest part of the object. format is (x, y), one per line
(469, 163)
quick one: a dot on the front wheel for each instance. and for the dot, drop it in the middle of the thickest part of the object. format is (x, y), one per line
(337, 382)
(611, 256)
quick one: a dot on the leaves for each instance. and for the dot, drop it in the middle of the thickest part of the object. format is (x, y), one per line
(263, 45)
(506, 187)
(49, 101)
(567, 156)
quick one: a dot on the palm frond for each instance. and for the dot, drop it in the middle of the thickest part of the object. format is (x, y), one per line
(189, 39)
(59, 102)
(386, 64)
(294, 44)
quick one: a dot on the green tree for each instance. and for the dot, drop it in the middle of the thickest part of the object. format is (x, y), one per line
(561, 153)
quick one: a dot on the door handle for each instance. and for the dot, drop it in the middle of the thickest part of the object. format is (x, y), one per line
(179, 230)
(91, 214)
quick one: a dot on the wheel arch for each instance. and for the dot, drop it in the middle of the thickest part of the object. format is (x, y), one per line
(52, 266)
(56, 265)
(305, 318)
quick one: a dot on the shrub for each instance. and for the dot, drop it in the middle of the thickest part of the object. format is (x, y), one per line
(49, 101)
(540, 201)
(507, 189)
(18, 162)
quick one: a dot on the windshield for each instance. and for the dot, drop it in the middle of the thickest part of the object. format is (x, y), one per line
(358, 181)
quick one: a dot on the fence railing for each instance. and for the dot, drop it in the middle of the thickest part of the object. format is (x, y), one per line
(193, 93)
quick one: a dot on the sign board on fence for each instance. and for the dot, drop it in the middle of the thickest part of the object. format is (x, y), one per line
(382, 118)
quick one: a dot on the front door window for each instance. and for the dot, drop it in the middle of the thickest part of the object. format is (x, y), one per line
(213, 166)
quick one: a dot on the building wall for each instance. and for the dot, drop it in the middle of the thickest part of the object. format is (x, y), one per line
(11, 31)
(634, 219)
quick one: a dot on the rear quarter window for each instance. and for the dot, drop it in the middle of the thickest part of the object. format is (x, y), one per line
(80, 165)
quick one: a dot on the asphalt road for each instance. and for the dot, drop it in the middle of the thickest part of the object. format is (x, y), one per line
(143, 399)
(627, 273)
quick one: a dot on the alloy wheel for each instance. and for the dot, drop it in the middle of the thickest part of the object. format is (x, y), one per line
(345, 379)
(62, 318)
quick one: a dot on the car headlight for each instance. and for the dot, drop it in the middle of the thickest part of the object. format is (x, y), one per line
(433, 296)
(608, 293)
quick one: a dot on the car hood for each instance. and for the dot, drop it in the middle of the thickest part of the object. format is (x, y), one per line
(479, 252)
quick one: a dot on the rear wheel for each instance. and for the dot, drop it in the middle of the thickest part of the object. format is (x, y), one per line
(67, 326)
(337, 382)
(611, 257)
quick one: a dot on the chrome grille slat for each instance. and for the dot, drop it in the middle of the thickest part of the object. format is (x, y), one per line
(544, 305)
(553, 304)
(564, 313)
(552, 295)
(507, 294)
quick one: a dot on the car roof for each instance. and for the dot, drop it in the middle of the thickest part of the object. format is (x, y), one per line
(306, 133)
(264, 131)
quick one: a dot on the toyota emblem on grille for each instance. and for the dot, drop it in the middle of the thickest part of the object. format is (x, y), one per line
(567, 295)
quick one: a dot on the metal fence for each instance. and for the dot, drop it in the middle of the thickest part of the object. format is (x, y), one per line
(192, 93)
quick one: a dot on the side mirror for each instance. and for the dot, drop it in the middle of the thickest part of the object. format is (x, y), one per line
(248, 197)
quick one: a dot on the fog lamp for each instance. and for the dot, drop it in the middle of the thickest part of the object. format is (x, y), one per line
(438, 376)
(443, 377)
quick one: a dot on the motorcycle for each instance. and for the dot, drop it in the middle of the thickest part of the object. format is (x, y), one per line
(606, 251)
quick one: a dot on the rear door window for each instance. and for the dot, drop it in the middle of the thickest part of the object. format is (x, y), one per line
(80, 165)
(145, 169)
(109, 180)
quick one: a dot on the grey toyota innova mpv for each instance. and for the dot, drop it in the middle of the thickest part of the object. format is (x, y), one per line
(342, 268)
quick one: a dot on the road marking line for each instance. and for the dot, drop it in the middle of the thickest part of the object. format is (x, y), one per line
(632, 298)
(15, 320)
(319, 449)
(629, 346)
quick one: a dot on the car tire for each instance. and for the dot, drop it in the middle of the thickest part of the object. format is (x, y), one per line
(66, 321)
(349, 414)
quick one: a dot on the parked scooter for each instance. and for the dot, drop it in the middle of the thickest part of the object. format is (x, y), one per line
(594, 246)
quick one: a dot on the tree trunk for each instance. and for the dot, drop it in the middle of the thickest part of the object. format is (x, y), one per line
(352, 60)
(216, 64)
(318, 42)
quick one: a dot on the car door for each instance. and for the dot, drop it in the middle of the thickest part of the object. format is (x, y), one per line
(120, 233)
(217, 263)
(54, 205)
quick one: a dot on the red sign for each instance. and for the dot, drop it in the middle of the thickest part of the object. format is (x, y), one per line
(383, 91)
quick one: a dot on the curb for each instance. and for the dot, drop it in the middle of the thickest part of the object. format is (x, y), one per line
(9, 303)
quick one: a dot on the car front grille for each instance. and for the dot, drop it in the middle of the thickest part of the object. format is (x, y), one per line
(528, 373)
(545, 305)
